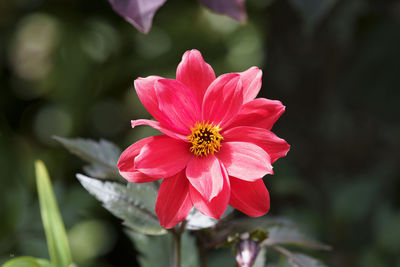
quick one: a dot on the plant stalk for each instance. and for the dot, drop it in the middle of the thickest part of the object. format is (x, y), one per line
(176, 248)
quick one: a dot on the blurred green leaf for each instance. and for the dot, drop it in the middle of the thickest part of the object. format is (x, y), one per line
(26, 261)
(261, 259)
(196, 220)
(313, 11)
(190, 258)
(268, 230)
(284, 235)
(296, 259)
(56, 236)
(157, 250)
(220, 257)
(153, 250)
(102, 156)
(247, 224)
(133, 203)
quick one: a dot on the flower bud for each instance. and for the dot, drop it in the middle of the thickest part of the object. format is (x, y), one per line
(246, 252)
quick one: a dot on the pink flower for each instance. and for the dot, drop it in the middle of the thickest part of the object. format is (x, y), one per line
(216, 144)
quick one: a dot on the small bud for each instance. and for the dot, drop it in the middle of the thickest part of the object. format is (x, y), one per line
(246, 252)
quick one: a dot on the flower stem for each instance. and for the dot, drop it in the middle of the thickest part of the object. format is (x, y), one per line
(176, 248)
(176, 235)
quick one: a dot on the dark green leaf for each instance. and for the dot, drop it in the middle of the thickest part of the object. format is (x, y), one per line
(102, 156)
(250, 224)
(284, 235)
(296, 259)
(190, 257)
(221, 257)
(313, 10)
(157, 250)
(56, 236)
(261, 259)
(133, 203)
(153, 250)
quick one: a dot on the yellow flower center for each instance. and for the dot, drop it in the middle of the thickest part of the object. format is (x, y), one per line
(205, 139)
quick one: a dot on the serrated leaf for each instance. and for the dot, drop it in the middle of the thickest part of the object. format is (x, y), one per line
(133, 203)
(57, 241)
(284, 235)
(102, 156)
(157, 250)
(26, 261)
(296, 259)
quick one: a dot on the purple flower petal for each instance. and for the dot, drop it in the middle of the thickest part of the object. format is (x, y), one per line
(139, 13)
(233, 8)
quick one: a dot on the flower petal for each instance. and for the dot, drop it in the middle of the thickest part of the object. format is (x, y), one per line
(251, 81)
(223, 100)
(234, 9)
(163, 157)
(244, 160)
(173, 200)
(205, 174)
(158, 126)
(178, 105)
(260, 112)
(146, 90)
(139, 13)
(251, 198)
(272, 144)
(195, 73)
(217, 206)
(126, 166)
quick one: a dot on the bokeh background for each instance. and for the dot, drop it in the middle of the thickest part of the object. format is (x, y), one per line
(67, 68)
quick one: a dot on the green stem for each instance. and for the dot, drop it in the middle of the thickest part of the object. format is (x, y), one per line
(177, 236)
(176, 248)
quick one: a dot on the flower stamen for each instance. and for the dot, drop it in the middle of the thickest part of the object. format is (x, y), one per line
(205, 138)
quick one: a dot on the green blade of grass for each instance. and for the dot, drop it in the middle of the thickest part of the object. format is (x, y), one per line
(56, 236)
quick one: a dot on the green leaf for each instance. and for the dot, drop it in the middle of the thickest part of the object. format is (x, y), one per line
(157, 250)
(190, 257)
(250, 224)
(290, 235)
(261, 259)
(220, 257)
(296, 259)
(196, 220)
(26, 261)
(56, 236)
(270, 230)
(313, 11)
(102, 156)
(153, 250)
(133, 203)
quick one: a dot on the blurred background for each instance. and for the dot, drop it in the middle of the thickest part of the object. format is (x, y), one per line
(67, 68)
